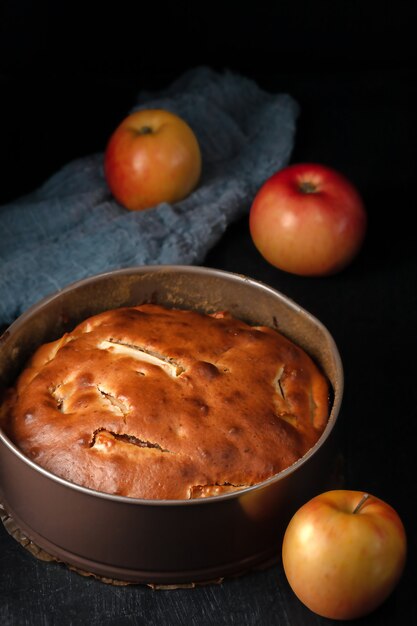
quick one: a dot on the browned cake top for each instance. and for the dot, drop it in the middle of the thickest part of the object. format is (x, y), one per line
(160, 403)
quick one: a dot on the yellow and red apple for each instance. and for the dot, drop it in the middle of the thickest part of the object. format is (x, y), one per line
(308, 219)
(153, 156)
(343, 553)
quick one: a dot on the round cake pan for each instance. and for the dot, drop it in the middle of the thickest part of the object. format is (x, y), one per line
(163, 542)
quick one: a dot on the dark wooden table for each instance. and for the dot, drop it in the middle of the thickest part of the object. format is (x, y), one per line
(360, 120)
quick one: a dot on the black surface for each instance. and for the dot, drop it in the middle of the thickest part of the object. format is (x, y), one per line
(67, 77)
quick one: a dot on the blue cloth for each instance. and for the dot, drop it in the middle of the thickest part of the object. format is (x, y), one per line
(71, 227)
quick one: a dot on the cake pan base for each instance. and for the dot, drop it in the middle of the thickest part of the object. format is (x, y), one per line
(44, 550)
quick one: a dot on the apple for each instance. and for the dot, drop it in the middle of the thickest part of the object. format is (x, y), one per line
(343, 553)
(153, 156)
(308, 219)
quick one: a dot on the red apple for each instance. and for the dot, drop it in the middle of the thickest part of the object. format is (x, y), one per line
(153, 156)
(343, 553)
(308, 219)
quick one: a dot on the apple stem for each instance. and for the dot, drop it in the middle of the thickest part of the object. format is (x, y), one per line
(145, 130)
(361, 502)
(307, 187)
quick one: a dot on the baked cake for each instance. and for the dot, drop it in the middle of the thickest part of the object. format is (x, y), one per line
(159, 403)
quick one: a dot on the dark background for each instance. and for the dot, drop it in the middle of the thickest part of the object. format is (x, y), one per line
(68, 74)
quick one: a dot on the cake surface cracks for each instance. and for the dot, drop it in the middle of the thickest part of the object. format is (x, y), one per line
(102, 438)
(166, 363)
(116, 403)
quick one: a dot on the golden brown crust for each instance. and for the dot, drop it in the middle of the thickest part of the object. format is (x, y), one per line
(159, 403)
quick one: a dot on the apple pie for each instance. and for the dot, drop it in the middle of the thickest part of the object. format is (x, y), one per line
(158, 403)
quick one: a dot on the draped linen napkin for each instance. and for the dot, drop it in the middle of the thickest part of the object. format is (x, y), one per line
(72, 227)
